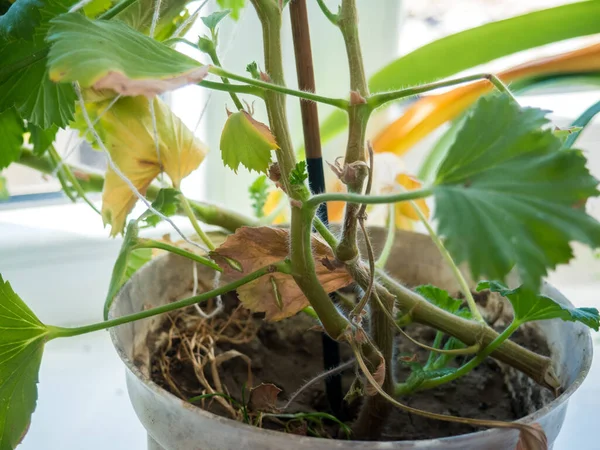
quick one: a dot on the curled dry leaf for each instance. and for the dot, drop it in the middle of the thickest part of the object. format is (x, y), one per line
(263, 398)
(254, 248)
(127, 132)
(532, 438)
(379, 376)
(122, 84)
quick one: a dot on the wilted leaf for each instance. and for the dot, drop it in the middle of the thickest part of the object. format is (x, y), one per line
(263, 398)
(128, 133)
(111, 55)
(22, 339)
(532, 438)
(11, 137)
(378, 376)
(246, 141)
(529, 306)
(506, 195)
(253, 248)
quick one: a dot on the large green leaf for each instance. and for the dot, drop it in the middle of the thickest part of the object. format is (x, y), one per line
(139, 15)
(41, 139)
(529, 306)
(439, 298)
(234, 5)
(11, 137)
(24, 82)
(507, 195)
(458, 52)
(22, 339)
(112, 55)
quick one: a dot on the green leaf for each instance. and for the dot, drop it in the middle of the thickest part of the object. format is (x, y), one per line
(112, 55)
(298, 175)
(96, 7)
(439, 298)
(234, 5)
(506, 195)
(450, 57)
(128, 262)
(213, 20)
(259, 191)
(11, 137)
(167, 202)
(529, 306)
(4, 194)
(41, 139)
(246, 141)
(22, 339)
(139, 16)
(24, 82)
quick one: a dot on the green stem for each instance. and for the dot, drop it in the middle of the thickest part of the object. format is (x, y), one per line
(337, 102)
(325, 233)
(112, 12)
(68, 173)
(458, 276)
(379, 100)
(238, 88)
(151, 243)
(58, 332)
(333, 18)
(315, 200)
(389, 240)
(402, 389)
(215, 59)
(437, 342)
(190, 213)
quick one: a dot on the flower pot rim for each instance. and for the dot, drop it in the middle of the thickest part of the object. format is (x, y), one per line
(206, 415)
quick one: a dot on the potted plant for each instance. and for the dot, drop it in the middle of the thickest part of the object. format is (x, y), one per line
(400, 319)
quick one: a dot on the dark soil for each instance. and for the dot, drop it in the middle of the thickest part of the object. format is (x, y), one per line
(288, 353)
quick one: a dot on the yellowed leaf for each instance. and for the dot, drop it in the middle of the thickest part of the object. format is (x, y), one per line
(532, 438)
(277, 294)
(263, 398)
(127, 132)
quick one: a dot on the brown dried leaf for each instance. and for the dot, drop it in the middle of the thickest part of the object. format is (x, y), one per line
(254, 248)
(532, 438)
(264, 398)
(379, 376)
(148, 87)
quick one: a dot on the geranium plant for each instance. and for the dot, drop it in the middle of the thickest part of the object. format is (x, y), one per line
(508, 189)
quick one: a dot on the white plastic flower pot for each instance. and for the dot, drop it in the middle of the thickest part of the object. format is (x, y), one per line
(173, 424)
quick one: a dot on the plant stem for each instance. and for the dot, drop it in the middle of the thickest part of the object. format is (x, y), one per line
(378, 100)
(151, 243)
(369, 199)
(190, 213)
(91, 181)
(68, 173)
(112, 12)
(389, 239)
(402, 388)
(337, 102)
(333, 18)
(215, 59)
(57, 332)
(325, 233)
(238, 88)
(460, 279)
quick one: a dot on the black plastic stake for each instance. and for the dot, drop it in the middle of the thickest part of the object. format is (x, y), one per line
(314, 162)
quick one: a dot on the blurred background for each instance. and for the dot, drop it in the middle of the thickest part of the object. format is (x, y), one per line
(59, 257)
